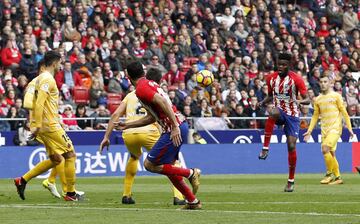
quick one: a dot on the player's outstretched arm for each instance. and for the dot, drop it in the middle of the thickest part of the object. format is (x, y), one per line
(119, 112)
(340, 104)
(313, 122)
(148, 119)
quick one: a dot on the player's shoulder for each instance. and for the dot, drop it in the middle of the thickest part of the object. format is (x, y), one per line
(272, 75)
(295, 76)
(335, 94)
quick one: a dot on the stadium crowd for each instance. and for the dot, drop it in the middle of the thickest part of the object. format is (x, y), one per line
(238, 40)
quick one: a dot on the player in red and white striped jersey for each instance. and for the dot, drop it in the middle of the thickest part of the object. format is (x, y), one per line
(284, 88)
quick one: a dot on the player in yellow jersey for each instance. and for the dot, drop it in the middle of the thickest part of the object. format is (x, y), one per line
(46, 128)
(330, 107)
(136, 138)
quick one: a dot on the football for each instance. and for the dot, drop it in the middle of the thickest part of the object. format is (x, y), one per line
(204, 78)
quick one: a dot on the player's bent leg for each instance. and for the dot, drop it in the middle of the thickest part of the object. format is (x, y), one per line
(328, 158)
(70, 158)
(178, 196)
(49, 183)
(191, 201)
(40, 168)
(269, 127)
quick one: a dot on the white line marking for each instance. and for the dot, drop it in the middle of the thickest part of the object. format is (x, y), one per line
(172, 210)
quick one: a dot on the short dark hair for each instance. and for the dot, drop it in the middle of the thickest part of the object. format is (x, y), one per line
(285, 56)
(135, 70)
(154, 74)
(41, 63)
(51, 57)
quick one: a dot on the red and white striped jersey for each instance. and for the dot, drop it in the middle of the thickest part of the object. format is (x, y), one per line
(285, 91)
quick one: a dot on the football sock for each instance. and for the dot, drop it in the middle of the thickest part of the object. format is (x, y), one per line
(292, 164)
(335, 168)
(52, 176)
(40, 168)
(169, 169)
(130, 172)
(328, 162)
(269, 127)
(180, 184)
(177, 193)
(70, 173)
(60, 170)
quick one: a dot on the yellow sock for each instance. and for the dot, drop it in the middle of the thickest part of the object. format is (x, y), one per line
(335, 168)
(38, 169)
(52, 176)
(60, 169)
(70, 173)
(130, 172)
(177, 193)
(328, 162)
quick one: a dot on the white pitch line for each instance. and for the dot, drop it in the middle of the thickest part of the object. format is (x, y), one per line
(172, 210)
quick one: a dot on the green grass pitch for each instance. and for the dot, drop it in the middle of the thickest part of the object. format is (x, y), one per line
(226, 199)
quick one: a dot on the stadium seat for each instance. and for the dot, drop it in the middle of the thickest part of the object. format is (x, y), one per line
(185, 68)
(187, 61)
(113, 105)
(81, 95)
(114, 97)
(193, 60)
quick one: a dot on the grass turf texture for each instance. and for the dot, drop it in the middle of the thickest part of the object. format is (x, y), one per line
(225, 198)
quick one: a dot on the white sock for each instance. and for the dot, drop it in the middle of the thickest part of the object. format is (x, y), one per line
(191, 173)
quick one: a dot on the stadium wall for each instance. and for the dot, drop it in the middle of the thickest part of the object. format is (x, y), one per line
(212, 159)
(224, 137)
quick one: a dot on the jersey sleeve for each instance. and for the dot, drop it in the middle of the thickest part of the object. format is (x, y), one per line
(144, 92)
(300, 85)
(342, 109)
(43, 90)
(315, 116)
(268, 83)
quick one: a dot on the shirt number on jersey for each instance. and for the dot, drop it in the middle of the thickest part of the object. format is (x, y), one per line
(65, 137)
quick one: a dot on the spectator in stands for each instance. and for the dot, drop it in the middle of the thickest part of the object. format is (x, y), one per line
(352, 96)
(22, 136)
(198, 139)
(253, 110)
(155, 63)
(68, 113)
(67, 79)
(118, 84)
(350, 19)
(100, 113)
(98, 95)
(28, 66)
(12, 113)
(81, 113)
(114, 62)
(174, 76)
(10, 55)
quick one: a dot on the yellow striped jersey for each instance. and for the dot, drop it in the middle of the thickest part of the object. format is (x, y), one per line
(330, 107)
(135, 111)
(45, 104)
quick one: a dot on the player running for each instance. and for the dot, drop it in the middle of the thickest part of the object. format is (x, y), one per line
(284, 87)
(165, 152)
(330, 107)
(46, 128)
(136, 138)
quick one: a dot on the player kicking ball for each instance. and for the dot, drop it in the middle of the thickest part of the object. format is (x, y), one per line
(284, 87)
(330, 107)
(165, 151)
(136, 138)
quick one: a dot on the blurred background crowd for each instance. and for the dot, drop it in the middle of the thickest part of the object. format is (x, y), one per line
(238, 40)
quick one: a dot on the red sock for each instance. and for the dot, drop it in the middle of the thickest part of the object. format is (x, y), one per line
(269, 127)
(292, 164)
(169, 169)
(180, 184)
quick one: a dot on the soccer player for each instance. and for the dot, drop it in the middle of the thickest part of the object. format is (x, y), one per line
(136, 138)
(330, 107)
(165, 152)
(284, 87)
(46, 128)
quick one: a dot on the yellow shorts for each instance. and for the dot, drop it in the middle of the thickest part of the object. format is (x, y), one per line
(330, 140)
(135, 141)
(56, 142)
